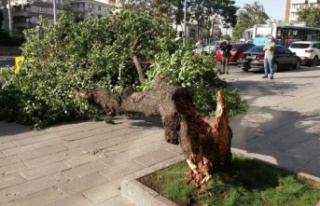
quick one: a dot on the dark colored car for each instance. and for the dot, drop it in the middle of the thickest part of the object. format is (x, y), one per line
(237, 49)
(254, 58)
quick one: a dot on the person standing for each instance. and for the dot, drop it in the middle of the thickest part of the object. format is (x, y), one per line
(226, 54)
(199, 46)
(268, 57)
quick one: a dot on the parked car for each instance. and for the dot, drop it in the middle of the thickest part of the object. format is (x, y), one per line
(212, 47)
(254, 58)
(308, 51)
(237, 49)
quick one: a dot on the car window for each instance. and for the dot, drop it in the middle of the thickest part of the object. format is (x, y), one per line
(255, 49)
(299, 45)
(286, 50)
(280, 50)
(236, 46)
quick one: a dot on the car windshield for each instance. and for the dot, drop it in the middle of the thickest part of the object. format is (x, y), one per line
(299, 45)
(236, 46)
(255, 49)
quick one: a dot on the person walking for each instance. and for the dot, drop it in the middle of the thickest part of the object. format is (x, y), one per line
(268, 57)
(226, 48)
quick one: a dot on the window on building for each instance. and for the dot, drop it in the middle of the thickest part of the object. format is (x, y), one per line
(293, 14)
(313, 5)
(42, 9)
(99, 8)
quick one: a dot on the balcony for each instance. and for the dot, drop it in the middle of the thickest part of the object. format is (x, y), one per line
(21, 13)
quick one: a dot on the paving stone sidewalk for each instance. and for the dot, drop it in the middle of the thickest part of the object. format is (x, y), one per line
(80, 163)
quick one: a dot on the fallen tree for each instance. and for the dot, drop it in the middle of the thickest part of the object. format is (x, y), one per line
(206, 146)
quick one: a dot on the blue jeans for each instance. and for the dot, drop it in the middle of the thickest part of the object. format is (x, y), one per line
(268, 67)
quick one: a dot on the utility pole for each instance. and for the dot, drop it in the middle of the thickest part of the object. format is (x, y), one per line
(184, 23)
(54, 11)
(10, 17)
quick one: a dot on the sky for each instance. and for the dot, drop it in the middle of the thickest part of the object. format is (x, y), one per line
(274, 8)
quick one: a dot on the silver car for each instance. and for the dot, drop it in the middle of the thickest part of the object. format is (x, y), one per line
(212, 47)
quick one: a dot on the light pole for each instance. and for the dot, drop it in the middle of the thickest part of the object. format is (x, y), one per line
(184, 22)
(54, 11)
(10, 17)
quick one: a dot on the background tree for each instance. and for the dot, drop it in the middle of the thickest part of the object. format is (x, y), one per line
(202, 11)
(310, 16)
(227, 37)
(248, 16)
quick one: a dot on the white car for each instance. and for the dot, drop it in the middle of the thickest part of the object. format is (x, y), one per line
(307, 51)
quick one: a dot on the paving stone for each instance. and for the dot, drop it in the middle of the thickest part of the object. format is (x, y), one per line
(45, 170)
(47, 143)
(35, 139)
(153, 146)
(121, 170)
(86, 158)
(116, 201)
(74, 200)
(17, 150)
(7, 145)
(150, 159)
(84, 169)
(9, 160)
(119, 158)
(12, 168)
(83, 183)
(25, 133)
(128, 145)
(10, 180)
(103, 192)
(27, 188)
(42, 152)
(42, 198)
(97, 136)
(67, 132)
(9, 204)
(45, 160)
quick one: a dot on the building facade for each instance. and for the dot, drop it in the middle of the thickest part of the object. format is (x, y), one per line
(292, 7)
(26, 13)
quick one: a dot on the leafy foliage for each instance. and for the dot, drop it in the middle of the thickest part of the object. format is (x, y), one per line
(310, 16)
(97, 53)
(248, 16)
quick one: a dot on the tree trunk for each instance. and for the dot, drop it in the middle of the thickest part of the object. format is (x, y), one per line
(206, 146)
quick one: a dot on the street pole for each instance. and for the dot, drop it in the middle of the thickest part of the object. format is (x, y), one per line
(184, 23)
(10, 17)
(54, 11)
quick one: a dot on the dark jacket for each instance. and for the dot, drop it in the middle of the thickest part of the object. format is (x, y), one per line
(226, 48)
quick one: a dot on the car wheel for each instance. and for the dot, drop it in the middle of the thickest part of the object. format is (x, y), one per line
(298, 65)
(275, 67)
(245, 69)
(314, 61)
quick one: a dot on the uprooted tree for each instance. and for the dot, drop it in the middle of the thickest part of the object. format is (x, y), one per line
(126, 62)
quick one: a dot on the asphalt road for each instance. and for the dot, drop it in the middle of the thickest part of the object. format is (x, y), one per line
(6, 63)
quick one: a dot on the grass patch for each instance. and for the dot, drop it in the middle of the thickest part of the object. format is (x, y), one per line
(247, 182)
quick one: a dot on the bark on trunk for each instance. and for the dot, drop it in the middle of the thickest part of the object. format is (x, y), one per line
(206, 146)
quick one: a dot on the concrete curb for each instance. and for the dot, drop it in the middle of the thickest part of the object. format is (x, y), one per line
(141, 195)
